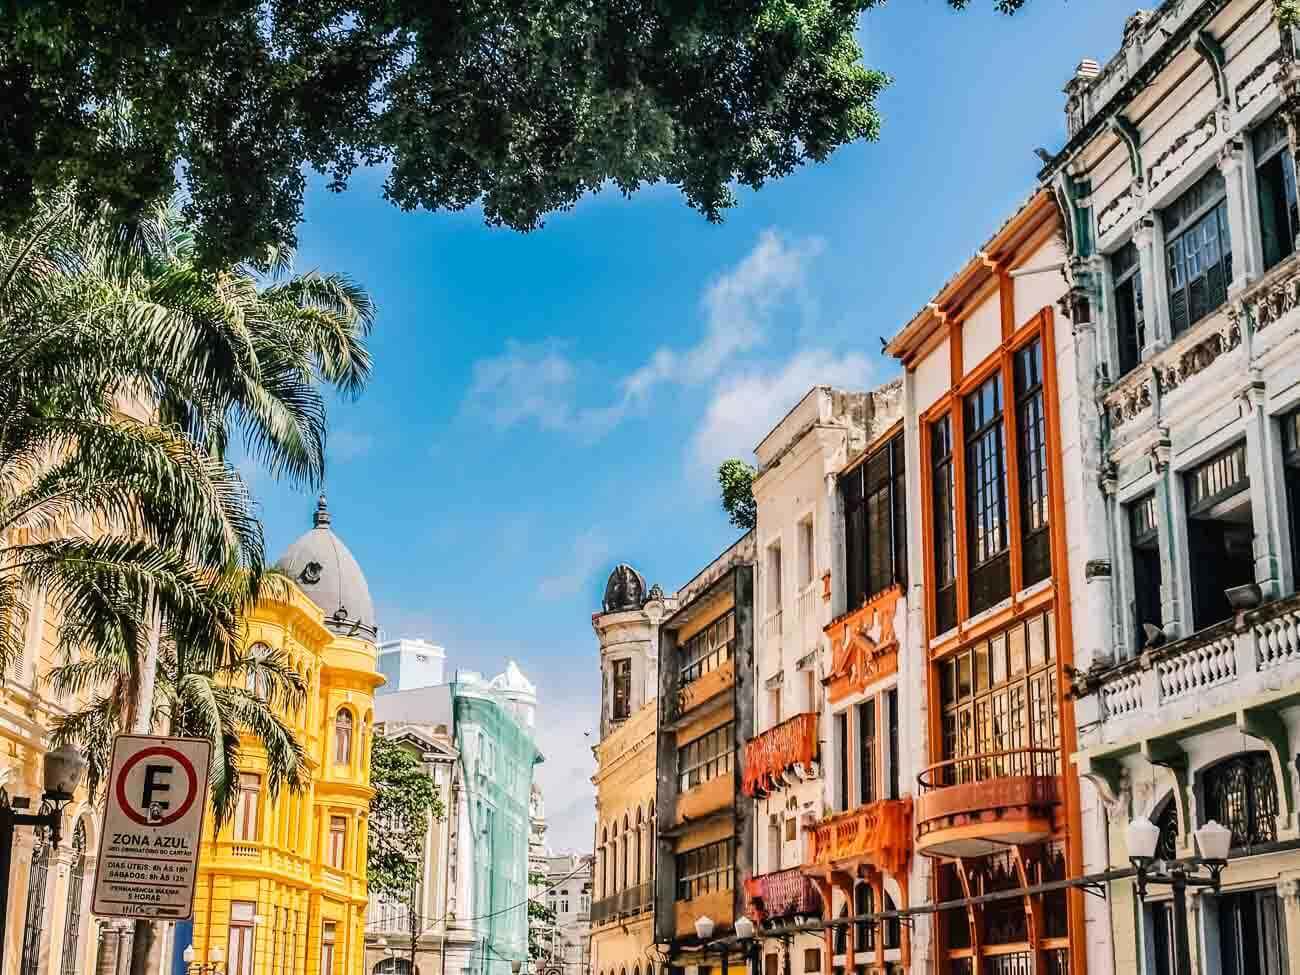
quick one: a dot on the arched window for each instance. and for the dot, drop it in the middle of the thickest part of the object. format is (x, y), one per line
(343, 737)
(35, 925)
(76, 880)
(864, 932)
(1241, 795)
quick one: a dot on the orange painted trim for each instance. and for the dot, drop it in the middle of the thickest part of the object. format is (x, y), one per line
(857, 659)
(1007, 300)
(961, 541)
(968, 633)
(1065, 643)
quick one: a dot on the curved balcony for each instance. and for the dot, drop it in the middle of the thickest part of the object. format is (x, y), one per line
(979, 804)
(785, 752)
(782, 894)
(878, 834)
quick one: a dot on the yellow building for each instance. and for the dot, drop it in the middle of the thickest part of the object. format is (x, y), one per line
(622, 910)
(282, 887)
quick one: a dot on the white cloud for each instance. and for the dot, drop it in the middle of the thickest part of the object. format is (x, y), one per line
(538, 383)
(590, 552)
(745, 408)
(738, 306)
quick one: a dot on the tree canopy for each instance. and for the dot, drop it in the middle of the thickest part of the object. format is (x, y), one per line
(522, 107)
(736, 481)
(405, 799)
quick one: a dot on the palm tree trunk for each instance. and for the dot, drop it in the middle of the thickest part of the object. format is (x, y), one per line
(146, 943)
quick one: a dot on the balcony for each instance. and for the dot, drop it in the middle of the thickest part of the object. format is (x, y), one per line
(979, 804)
(878, 835)
(782, 894)
(788, 750)
(864, 648)
(701, 690)
(626, 903)
(1227, 664)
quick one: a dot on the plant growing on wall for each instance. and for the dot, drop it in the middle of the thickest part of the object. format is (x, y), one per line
(405, 798)
(736, 480)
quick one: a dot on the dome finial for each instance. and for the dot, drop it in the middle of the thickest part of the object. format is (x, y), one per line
(322, 517)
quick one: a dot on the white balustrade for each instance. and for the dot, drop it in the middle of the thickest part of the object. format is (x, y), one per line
(1197, 668)
(1277, 641)
(1123, 695)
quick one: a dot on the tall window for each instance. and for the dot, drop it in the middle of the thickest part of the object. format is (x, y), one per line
(343, 737)
(1130, 319)
(239, 944)
(707, 757)
(1291, 457)
(1031, 428)
(76, 880)
(706, 869)
(891, 712)
(841, 732)
(864, 932)
(35, 926)
(1220, 533)
(945, 522)
(1198, 251)
(1279, 221)
(327, 948)
(774, 581)
(875, 529)
(807, 557)
(338, 841)
(622, 689)
(250, 788)
(986, 492)
(999, 697)
(1146, 567)
(867, 779)
(1241, 794)
(709, 649)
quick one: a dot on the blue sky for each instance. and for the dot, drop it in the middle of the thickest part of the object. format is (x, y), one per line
(544, 406)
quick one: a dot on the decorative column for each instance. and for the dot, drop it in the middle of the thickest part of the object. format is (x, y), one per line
(1232, 165)
(1168, 513)
(1288, 889)
(1154, 306)
(1267, 485)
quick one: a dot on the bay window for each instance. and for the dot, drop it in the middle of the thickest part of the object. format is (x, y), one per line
(986, 494)
(1198, 251)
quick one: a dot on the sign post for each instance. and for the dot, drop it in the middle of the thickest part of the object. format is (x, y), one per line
(153, 821)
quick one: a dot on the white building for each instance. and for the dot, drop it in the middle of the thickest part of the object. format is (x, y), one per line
(565, 943)
(407, 664)
(1178, 180)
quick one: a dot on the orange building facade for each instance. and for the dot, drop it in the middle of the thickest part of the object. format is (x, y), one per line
(996, 807)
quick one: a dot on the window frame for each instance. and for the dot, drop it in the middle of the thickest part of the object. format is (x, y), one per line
(338, 842)
(1033, 490)
(1129, 277)
(697, 657)
(1179, 229)
(247, 809)
(720, 762)
(621, 696)
(866, 573)
(344, 732)
(1278, 149)
(696, 875)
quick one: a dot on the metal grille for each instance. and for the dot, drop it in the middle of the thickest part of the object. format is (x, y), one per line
(1167, 823)
(76, 879)
(35, 925)
(1219, 477)
(1241, 794)
(1017, 963)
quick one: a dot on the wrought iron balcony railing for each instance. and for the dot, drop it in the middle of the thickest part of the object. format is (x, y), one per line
(782, 894)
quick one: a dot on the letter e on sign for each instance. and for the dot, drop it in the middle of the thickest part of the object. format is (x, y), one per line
(153, 823)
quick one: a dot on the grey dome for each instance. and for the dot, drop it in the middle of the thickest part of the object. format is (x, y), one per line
(325, 570)
(625, 589)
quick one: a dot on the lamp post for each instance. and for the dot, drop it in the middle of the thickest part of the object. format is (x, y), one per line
(194, 964)
(62, 771)
(745, 934)
(1213, 840)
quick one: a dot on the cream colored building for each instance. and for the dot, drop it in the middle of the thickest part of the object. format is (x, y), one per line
(622, 909)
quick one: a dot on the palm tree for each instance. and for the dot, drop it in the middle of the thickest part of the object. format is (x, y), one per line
(132, 369)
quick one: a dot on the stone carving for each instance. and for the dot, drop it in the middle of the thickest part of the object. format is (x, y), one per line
(1269, 303)
(1182, 148)
(311, 573)
(1172, 373)
(1257, 82)
(625, 589)
(1115, 211)
(656, 594)
(1129, 400)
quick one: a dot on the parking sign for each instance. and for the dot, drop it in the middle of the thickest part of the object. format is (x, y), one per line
(153, 821)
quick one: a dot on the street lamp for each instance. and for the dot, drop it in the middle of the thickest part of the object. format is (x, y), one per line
(194, 964)
(704, 927)
(1213, 841)
(62, 770)
(745, 932)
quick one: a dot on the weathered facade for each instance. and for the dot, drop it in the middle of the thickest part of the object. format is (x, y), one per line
(566, 942)
(1178, 180)
(997, 806)
(704, 823)
(622, 914)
